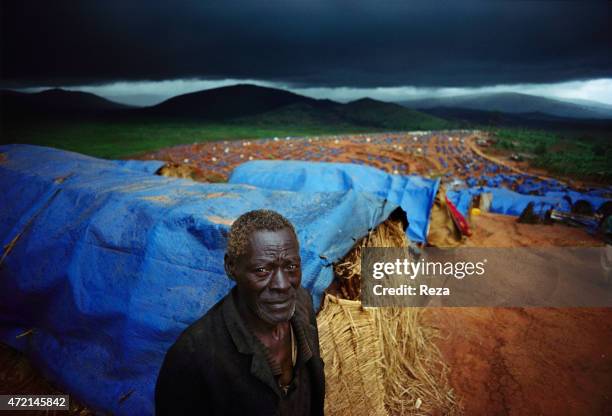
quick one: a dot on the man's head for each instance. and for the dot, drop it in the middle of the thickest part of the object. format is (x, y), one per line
(263, 258)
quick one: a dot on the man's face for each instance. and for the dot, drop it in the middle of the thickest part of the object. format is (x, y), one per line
(269, 274)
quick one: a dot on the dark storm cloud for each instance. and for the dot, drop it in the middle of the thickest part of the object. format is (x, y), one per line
(306, 43)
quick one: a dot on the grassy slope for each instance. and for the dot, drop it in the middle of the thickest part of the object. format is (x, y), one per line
(117, 139)
(390, 116)
(564, 154)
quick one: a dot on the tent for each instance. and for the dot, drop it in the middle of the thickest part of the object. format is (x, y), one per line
(505, 201)
(104, 264)
(594, 201)
(413, 193)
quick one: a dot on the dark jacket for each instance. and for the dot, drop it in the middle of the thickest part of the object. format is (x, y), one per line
(218, 367)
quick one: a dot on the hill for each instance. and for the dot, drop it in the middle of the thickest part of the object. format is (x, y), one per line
(249, 104)
(515, 103)
(367, 111)
(100, 127)
(231, 102)
(468, 118)
(54, 103)
(364, 113)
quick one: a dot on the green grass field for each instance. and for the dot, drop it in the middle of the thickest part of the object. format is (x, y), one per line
(568, 154)
(120, 139)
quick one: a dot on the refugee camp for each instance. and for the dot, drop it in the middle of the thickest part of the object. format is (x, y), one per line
(199, 201)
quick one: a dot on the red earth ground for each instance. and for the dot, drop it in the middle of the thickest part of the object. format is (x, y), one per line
(527, 361)
(503, 361)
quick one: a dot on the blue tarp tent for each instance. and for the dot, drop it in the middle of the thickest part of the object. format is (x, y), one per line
(413, 193)
(104, 264)
(508, 202)
(595, 201)
(471, 181)
(462, 198)
(147, 166)
(505, 201)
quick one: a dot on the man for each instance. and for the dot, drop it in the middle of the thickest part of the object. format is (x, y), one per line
(256, 352)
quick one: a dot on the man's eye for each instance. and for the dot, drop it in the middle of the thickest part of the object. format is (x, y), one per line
(292, 267)
(261, 270)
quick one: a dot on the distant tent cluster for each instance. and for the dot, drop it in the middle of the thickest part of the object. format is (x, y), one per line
(511, 193)
(543, 195)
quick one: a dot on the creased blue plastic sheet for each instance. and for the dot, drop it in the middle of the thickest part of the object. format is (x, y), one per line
(594, 201)
(104, 266)
(413, 193)
(462, 198)
(505, 201)
(145, 166)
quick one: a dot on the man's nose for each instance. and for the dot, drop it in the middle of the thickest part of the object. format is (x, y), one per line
(280, 280)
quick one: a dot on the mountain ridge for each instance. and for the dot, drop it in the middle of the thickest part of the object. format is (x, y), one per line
(264, 106)
(233, 101)
(241, 103)
(513, 103)
(59, 99)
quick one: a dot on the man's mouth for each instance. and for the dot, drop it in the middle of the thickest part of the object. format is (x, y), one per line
(279, 304)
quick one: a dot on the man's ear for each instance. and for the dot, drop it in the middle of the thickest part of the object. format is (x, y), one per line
(229, 267)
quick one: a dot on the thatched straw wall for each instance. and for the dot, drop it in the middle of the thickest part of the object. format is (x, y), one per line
(379, 355)
(354, 385)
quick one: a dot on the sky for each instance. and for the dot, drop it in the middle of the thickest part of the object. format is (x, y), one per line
(142, 52)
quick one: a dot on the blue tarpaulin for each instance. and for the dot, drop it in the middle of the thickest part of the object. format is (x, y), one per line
(105, 264)
(413, 193)
(594, 201)
(505, 201)
(462, 198)
(508, 202)
(145, 166)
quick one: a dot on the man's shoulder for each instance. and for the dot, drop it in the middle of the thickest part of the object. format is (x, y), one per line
(209, 328)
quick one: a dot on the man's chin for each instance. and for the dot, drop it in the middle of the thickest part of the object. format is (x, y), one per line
(274, 316)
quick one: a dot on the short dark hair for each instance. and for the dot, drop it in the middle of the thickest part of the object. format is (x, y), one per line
(249, 222)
